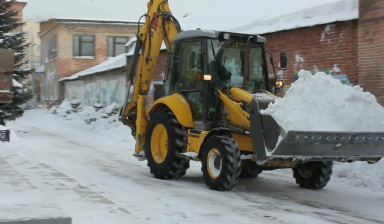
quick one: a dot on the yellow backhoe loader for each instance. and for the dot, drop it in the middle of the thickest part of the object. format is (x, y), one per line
(215, 85)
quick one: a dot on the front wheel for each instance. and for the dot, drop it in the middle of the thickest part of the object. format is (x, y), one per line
(313, 175)
(221, 163)
(163, 145)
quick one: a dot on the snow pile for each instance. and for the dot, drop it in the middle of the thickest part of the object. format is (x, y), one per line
(320, 102)
(100, 120)
(360, 174)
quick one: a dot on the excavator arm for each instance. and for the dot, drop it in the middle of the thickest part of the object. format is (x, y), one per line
(160, 26)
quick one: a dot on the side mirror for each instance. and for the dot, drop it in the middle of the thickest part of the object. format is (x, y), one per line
(283, 61)
(192, 60)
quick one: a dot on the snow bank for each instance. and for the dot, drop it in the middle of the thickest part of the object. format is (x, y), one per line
(101, 121)
(360, 174)
(322, 103)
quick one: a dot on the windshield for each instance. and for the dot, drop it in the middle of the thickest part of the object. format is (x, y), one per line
(226, 65)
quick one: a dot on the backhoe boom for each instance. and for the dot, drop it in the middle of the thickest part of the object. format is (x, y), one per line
(160, 26)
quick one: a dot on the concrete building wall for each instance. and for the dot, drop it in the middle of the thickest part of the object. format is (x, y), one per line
(104, 88)
(371, 47)
(108, 87)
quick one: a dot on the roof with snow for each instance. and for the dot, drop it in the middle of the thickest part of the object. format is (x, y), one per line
(269, 16)
(90, 20)
(119, 61)
(40, 69)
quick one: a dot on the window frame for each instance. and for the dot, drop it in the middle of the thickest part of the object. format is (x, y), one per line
(80, 44)
(114, 45)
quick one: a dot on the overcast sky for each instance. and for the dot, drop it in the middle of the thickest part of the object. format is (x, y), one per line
(104, 9)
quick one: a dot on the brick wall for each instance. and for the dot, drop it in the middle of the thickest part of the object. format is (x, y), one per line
(18, 7)
(160, 67)
(68, 65)
(371, 47)
(330, 48)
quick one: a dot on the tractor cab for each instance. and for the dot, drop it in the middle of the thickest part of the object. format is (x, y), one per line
(201, 61)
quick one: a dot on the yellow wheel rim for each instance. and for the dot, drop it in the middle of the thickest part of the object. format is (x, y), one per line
(159, 143)
(214, 163)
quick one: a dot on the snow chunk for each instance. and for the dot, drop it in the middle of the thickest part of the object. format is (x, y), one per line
(16, 84)
(114, 107)
(192, 155)
(322, 103)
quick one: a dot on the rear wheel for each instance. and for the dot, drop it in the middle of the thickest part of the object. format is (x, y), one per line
(221, 163)
(163, 144)
(313, 175)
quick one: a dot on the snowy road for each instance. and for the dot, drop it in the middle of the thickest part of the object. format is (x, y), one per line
(95, 179)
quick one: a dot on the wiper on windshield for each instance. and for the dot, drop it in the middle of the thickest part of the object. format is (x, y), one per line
(213, 50)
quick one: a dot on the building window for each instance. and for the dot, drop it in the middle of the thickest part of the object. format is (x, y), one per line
(52, 49)
(83, 46)
(116, 46)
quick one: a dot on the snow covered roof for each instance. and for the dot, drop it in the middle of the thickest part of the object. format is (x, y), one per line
(88, 20)
(269, 16)
(112, 63)
(40, 69)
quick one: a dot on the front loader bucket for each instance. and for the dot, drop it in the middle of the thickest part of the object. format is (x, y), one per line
(308, 145)
(335, 146)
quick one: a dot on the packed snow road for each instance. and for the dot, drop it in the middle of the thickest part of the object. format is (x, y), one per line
(94, 178)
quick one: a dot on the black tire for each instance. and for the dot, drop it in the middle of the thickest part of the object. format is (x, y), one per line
(313, 175)
(249, 169)
(174, 165)
(229, 161)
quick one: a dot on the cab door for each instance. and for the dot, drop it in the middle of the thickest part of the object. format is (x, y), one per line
(185, 67)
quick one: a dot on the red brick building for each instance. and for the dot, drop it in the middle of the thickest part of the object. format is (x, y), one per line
(371, 47)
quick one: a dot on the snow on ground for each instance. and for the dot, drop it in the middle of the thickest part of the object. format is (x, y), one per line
(320, 102)
(87, 172)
